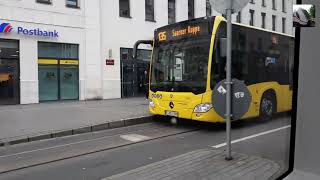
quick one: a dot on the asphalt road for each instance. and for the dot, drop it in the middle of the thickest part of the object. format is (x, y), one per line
(123, 149)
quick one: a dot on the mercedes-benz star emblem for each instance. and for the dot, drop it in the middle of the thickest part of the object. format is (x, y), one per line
(171, 105)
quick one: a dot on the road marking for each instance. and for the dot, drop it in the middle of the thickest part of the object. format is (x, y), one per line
(252, 136)
(134, 137)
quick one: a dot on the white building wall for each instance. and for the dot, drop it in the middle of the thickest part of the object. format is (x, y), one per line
(91, 80)
(258, 8)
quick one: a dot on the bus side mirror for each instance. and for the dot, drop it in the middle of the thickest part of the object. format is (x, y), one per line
(223, 47)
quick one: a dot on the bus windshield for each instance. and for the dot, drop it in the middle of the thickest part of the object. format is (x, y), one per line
(181, 66)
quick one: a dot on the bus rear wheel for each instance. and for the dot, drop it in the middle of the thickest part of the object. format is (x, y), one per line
(268, 106)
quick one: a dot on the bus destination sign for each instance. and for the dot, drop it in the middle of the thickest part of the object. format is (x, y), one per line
(182, 30)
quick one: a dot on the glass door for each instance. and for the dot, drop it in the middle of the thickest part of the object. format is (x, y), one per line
(69, 82)
(48, 82)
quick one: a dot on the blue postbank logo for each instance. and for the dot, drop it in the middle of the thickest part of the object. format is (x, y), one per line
(38, 32)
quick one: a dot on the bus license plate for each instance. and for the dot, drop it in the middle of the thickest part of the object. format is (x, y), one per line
(172, 113)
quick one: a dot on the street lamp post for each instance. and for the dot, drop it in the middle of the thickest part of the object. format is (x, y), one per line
(228, 84)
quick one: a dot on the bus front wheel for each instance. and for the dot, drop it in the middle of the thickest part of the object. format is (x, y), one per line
(268, 105)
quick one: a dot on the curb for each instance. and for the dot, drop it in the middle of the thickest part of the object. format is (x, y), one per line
(81, 130)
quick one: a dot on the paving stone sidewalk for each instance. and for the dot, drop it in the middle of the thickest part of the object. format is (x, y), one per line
(17, 121)
(205, 164)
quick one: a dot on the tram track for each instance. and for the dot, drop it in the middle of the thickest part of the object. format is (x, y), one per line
(13, 160)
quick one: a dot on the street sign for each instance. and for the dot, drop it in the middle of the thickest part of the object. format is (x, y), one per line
(241, 98)
(222, 5)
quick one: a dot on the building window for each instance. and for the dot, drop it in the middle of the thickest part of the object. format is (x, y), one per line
(263, 3)
(273, 23)
(284, 6)
(239, 17)
(72, 3)
(283, 25)
(171, 11)
(251, 17)
(149, 5)
(124, 8)
(274, 5)
(44, 1)
(252, 1)
(208, 8)
(263, 20)
(190, 9)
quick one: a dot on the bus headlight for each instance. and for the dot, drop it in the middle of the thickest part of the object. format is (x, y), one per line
(151, 104)
(202, 108)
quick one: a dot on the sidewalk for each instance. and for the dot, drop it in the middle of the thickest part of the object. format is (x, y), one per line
(205, 164)
(25, 121)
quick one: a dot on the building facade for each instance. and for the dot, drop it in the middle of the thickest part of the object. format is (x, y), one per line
(53, 50)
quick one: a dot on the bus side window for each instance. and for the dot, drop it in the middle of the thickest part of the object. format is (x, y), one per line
(218, 72)
(240, 65)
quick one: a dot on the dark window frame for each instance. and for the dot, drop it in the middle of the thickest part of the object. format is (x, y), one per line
(149, 17)
(274, 19)
(284, 20)
(44, 1)
(191, 9)
(208, 8)
(251, 21)
(252, 2)
(172, 14)
(263, 20)
(274, 6)
(73, 6)
(123, 14)
(238, 18)
(263, 3)
(284, 7)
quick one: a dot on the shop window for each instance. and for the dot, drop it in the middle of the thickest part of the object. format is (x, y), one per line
(72, 3)
(57, 50)
(149, 9)
(44, 1)
(9, 72)
(124, 8)
(58, 71)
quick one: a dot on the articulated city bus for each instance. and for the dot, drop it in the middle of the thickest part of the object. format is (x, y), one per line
(189, 60)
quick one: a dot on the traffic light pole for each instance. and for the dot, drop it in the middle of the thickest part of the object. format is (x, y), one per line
(228, 84)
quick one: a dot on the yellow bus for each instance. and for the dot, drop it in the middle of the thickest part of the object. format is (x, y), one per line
(188, 61)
